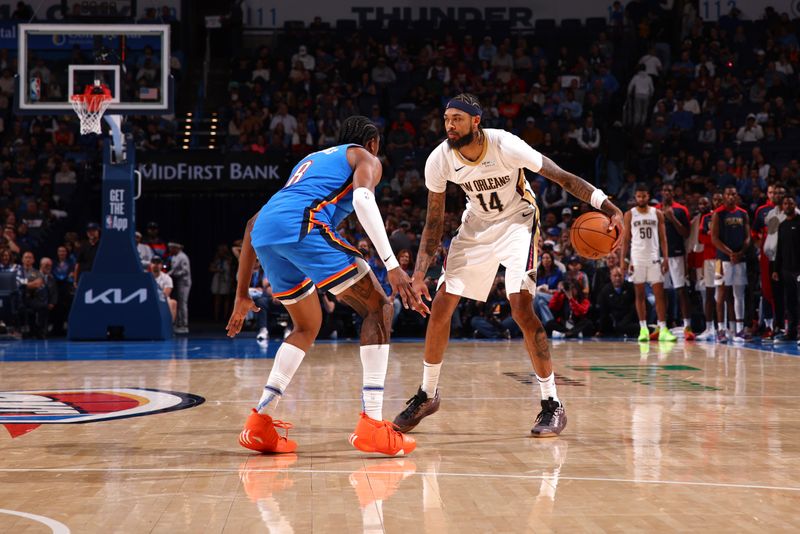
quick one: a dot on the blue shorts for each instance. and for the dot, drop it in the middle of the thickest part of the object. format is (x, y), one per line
(326, 261)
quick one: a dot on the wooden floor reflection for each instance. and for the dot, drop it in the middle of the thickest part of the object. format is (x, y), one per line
(661, 437)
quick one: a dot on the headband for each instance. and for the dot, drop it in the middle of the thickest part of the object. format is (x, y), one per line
(463, 106)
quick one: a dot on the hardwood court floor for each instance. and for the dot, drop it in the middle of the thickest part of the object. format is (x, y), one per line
(666, 438)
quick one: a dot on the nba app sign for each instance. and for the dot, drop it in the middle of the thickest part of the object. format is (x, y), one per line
(23, 411)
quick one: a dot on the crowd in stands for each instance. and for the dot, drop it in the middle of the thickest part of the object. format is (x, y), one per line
(38, 291)
(655, 96)
(46, 172)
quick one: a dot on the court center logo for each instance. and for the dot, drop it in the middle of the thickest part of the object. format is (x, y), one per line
(23, 411)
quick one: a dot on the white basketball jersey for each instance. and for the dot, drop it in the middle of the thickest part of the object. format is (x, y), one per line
(495, 184)
(644, 236)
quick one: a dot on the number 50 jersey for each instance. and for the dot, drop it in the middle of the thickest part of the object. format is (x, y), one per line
(495, 184)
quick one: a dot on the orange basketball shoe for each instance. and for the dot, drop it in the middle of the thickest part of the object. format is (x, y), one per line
(380, 436)
(259, 434)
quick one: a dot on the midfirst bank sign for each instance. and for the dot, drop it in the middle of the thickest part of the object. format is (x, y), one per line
(208, 172)
(194, 170)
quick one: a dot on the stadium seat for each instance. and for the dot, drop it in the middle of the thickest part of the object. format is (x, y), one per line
(595, 25)
(544, 24)
(571, 25)
(475, 28)
(448, 26)
(346, 25)
(397, 27)
(293, 25)
(423, 26)
(499, 30)
(373, 27)
(545, 29)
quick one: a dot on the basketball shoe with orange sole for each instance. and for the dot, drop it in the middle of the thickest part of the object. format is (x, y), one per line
(371, 435)
(259, 434)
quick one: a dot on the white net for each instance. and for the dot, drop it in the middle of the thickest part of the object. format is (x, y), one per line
(90, 109)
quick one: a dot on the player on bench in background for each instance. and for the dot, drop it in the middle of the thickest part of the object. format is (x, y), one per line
(645, 236)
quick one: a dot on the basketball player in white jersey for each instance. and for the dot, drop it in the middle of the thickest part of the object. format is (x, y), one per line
(499, 227)
(646, 238)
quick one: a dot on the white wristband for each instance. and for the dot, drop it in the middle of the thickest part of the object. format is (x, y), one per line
(370, 218)
(598, 197)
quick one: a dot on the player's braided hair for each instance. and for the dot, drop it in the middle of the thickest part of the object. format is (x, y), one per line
(357, 129)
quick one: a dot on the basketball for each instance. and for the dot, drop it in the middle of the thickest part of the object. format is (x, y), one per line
(590, 236)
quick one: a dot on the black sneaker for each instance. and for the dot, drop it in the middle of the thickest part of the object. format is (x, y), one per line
(417, 408)
(550, 421)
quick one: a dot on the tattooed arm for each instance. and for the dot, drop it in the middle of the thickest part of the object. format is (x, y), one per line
(575, 185)
(431, 237)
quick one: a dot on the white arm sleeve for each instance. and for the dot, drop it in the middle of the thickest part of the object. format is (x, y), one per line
(370, 218)
(517, 153)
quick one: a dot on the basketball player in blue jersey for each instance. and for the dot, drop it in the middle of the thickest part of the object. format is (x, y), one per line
(294, 237)
(730, 234)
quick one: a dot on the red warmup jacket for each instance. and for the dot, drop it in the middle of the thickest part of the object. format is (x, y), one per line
(579, 307)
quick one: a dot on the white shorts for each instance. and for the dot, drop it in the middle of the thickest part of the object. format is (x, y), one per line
(733, 274)
(710, 274)
(480, 247)
(676, 274)
(647, 273)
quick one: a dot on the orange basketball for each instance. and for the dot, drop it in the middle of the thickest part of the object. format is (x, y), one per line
(590, 236)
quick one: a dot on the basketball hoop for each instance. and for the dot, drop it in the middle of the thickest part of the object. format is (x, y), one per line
(90, 107)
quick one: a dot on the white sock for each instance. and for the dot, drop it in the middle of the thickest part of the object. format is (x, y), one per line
(374, 361)
(720, 327)
(430, 377)
(739, 326)
(662, 325)
(642, 324)
(738, 302)
(548, 386)
(687, 323)
(287, 360)
(770, 323)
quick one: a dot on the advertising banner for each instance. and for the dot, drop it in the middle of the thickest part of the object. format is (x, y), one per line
(192, 171)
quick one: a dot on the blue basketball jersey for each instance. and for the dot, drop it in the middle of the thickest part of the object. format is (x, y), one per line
(319, 195)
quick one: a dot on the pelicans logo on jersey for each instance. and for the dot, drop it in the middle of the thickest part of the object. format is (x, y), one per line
(23, 411)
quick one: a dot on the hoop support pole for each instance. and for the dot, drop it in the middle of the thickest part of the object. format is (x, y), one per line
(117, 140)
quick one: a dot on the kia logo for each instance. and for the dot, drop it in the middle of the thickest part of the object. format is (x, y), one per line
(114, 296)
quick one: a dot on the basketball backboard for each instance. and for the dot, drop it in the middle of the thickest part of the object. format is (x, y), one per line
(57, 61)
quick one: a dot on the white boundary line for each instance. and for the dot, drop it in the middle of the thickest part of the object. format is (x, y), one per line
(55, 526)
(534, 396)
(347, 472)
